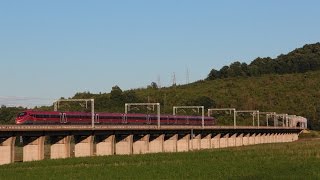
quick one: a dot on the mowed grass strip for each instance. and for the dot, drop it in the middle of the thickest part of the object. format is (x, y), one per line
(297, 160)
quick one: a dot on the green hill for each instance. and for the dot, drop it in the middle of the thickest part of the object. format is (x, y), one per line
(291, 93)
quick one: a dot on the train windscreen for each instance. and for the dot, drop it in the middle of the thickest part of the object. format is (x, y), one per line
(22, 114)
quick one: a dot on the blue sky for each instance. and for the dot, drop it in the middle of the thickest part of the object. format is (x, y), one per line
(53, 49)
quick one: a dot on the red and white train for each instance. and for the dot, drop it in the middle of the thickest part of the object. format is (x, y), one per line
(53, 117)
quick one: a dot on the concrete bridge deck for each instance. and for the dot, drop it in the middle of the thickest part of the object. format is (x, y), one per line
(131, 139)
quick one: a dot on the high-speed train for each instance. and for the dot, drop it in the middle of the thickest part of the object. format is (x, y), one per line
(54, 117)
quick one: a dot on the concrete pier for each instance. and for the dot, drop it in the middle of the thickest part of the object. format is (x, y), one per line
(83, 145)
(141, 144)
(245, 139)
(295, 137)
(224, 141)
(257, 139)
(33, 148)
(156, 143)
(269, 138)
(7, 150)
(239, 139)
(285, 137)
(124, 143)
(215, 141)
(170, 143)
(232, 140)
(105, 145)
(206, 141)
(278, 138)
(252, 138)
(266, 138)
(273, 138)
(60, 147)
(263, 138)
(195, 142)
(183, 143)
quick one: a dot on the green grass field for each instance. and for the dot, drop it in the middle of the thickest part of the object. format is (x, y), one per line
(297, 160)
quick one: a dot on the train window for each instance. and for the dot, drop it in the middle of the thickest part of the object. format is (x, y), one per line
(72, 116)
(55, 116)
(133, 117)
(153, 118)
(42, 116)
(110, 117)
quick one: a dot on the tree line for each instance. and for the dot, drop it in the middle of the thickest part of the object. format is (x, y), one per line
(300, 60)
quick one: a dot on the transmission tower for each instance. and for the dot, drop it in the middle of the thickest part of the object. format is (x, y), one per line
(174, 80)
(159, 82)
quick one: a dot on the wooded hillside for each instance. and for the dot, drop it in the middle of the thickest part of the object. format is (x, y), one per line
(287, 88)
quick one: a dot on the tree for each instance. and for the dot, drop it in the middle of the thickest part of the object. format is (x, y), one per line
(153, 85)
(236, 70)
(116, 94)
(214, 74)
(130, 97)
(224, 72)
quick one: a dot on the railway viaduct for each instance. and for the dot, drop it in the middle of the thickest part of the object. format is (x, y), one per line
(136, 139)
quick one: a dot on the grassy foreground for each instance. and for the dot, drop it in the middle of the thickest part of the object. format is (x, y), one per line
(297, 160)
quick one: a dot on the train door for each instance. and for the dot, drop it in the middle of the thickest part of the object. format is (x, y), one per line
(97, 118)
(63, 118)
(124, 119)
(148, 119)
